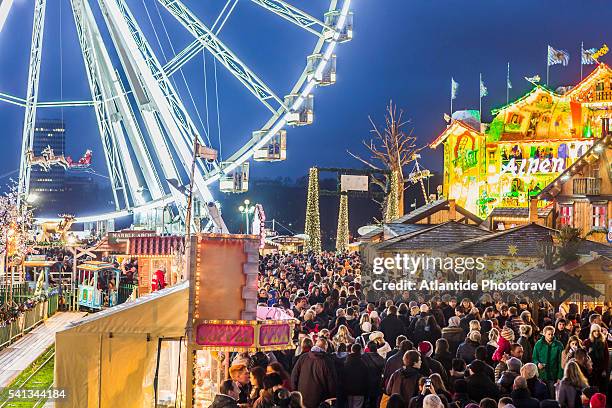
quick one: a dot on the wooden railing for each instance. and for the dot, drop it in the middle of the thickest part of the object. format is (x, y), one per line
(587, 186)
(603, 95)
(27, 321)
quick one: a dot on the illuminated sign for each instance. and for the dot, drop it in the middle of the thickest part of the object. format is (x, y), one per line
(274, 335)
(225, 335)
(533, 165)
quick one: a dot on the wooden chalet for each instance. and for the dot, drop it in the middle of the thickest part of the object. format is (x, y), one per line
(436, 212)
(582, 195)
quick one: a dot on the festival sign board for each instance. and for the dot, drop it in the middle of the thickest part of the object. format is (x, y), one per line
(244, 335)
(226, 336)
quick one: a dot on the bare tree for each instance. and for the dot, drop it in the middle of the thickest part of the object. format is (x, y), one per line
(391, 149)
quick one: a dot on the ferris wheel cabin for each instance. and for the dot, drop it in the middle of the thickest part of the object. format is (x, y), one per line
(327, 76)
(303, 114)
(274, 150)
(345, 33)
(237, 180)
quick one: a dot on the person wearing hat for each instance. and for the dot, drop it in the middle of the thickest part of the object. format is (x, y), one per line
(453, 334)
(479, 384)
(598, 400)
(506, 380)
(428, 364)
(382, 346)
(503, 343)
(467, 349)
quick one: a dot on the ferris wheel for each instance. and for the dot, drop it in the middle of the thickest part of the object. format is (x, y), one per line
(152, 147)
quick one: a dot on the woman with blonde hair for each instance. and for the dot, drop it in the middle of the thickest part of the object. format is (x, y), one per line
(343, 336)
(527, 319)
(474, 325)
(569, 389)
(597, 348)
(573, 344)
(492, 343)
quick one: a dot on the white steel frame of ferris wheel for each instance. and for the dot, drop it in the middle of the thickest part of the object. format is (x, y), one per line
(163, 111)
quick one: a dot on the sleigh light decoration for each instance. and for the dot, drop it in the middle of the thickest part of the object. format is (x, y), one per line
(48, 159)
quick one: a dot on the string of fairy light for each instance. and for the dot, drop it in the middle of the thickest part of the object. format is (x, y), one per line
(312, 228)
(342, 233)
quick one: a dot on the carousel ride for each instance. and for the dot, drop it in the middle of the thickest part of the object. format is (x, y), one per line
(154, 151)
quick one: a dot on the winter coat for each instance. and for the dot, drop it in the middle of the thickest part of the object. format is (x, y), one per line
(405, 382)
(454, 336)
(506, 381)
(538, 389)
(392, 326)
(392, 365)
(224, 401)
(446, 359)
(467, 351)
(567, 395)
(521, 398)
(375, 365)
(549, 354)
(503, 347)
(355, 376)
(527, 349)
(435, 367)
(601, 362)
(314, 375)
(481, 386)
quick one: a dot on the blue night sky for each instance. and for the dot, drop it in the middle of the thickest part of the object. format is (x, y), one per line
(402, 50)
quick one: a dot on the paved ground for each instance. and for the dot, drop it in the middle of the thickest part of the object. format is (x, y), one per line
(26, 350)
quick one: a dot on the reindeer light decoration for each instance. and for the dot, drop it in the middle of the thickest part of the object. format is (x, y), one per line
(50, 228)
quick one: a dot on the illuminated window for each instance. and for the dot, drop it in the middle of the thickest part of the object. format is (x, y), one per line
(599, 216)
(566, 214)
(599, 86)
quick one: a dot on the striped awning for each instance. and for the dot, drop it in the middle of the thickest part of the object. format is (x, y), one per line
(155, 246)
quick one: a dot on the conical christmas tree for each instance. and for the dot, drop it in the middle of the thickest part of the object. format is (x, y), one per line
(313, 222)
(342, 234)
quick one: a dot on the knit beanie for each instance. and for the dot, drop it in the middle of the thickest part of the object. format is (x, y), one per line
(598, 401)
(507, 334)
(426, 348)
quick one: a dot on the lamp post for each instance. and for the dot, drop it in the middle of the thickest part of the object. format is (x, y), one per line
(247, 209)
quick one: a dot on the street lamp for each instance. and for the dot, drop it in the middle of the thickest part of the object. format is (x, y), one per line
(247, 209)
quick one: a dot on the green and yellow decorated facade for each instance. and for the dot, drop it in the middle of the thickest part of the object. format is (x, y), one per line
(529, 143)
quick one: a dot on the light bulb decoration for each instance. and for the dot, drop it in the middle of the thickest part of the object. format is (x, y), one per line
(312, 227)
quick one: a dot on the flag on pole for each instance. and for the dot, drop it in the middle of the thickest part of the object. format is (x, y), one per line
(508, 83)
(602, 51)
(534, 79)
(454, 89)
(557, 57)
(587, 56)
(483, 88)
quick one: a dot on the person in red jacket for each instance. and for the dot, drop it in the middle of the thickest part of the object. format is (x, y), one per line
(159, 280)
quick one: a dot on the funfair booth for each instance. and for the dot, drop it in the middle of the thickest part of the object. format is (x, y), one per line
(172, 346)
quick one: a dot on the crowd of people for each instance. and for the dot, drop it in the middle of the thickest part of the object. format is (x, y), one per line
(416, 352)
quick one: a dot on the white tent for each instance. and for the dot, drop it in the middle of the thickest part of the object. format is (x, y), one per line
(109, 358)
